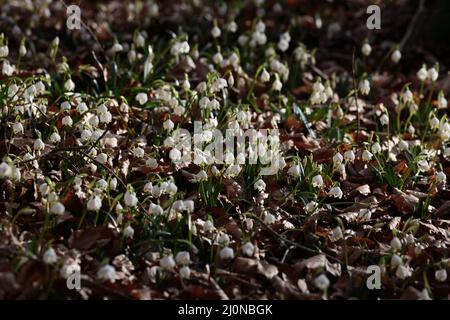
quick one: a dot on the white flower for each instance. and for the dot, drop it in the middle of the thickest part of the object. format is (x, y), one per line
(138, 152)
(185, 272)
(70, 267)
(226, 253)
(130, 199)
(422, 74)
(49, 256)
(69, 85)
(189, 206)
(17, 128)
(336, 234)
(94, 203)
(4, 51)
(396, 56)
(107, 273)
(366, 156)
(403, 272)
(55, 137)
(403, 145)
(260, 185)
(269, 218)
(337, 159)
(349, 156)
(294, 170)
(216, 32)
(156, 209)
(152, 163)
(67, 121)
(322, 282)
(142, 98)
(175, 155)
(433, 74)
(441, 275)
(376, 148)
(248, 249)
(396, 244)
(167, 262)
(311, 206)
(442, 102)
(317, 181)
(366, 49)
(265, 76)
(65, 106)
(423, 165)
(168, 125)
(128, 232)
(441, 177)
(183, 258)
(57, 208)
(5, 170)
(396, 260)
(223, 239)
(38, 145)
(277, 85)
(364, 87)
(335, 192)
(384, 119)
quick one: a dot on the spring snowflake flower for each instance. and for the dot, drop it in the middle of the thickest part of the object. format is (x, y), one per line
(67, 121)
(57, 208)
(277, 85)
(442, 102)
(349, 156)
(422, 74)
(384, 119)
(376, 148)
(130, 199)
(403, 272)
(142, 98)
(17, 128)
(322, 282)
(49, 256)
(364, 87)
(396, 56)
(69, 85)
(185, 272)
(38, 145)
(441, 177)
(265, 76)
(55, 137)
(441, 275)
(423, 165)
(366, 156)
(128, 232)
(107, 273)
(396, 244)
(396, 260)
(269, 218)
(433, 74)
(223, 239)
(216, 32)
(311, 206)
(366, 49)
(94, 203)
(167, 262)
(335, 192)
(138, 152)
(175, 155)
(294, 170)
(5, 170)
(336, 234)
(317, 181)
(156, 209)
(168, 125)
(70, 267)
(4, 51)
(248, 249)
(226, 253)
(183, 258)
(260, 185)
